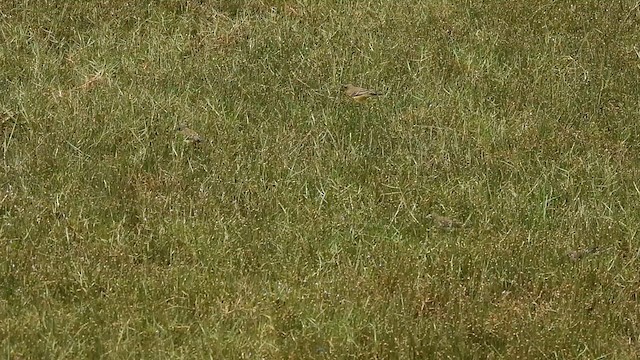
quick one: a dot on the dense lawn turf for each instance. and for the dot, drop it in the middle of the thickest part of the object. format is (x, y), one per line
(305, 225)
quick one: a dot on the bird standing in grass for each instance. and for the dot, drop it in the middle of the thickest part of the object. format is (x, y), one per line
(445, 222)
(358, 94)
(576, 255)
(190, 136)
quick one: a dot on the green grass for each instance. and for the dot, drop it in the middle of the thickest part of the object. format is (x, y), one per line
(303, 229)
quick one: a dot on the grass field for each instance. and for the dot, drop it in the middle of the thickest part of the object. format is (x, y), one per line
(307, 225)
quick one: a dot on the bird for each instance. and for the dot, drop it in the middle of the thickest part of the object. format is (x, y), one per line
(190, 136)
(358, 94)
(445, 222)
(576, 255)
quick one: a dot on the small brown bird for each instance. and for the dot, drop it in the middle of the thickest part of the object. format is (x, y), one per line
(576, 255)
(358, 94)
(445, 222)
(190, 136)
